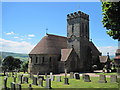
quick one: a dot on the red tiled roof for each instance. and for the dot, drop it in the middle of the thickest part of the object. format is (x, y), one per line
(118, 51)
(65, 54)
(103, 59)
(117, 57)
(50, 44)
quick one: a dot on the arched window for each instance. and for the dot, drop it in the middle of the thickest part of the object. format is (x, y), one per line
(72, 28)
(50, 59)
(43, 59)
(36, 61)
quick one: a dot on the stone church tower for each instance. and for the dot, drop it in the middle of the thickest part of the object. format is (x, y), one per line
(78, 38)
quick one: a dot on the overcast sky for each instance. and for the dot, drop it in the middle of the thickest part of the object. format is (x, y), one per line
(25, 23)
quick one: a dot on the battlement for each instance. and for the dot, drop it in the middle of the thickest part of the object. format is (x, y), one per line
(78, 14)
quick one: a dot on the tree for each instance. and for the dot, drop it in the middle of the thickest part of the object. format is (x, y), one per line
(11, 63)
(111, 18)
(25, 66)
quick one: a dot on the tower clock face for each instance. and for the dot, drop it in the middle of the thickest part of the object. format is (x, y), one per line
(72, 37)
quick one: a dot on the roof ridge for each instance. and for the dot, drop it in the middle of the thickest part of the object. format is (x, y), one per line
(55, 35)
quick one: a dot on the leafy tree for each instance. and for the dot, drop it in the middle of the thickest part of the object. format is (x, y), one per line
(11, 63)
(111, 18)
(25, 66)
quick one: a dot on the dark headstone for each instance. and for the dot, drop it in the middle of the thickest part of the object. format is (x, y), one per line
(58, 78)
(13, 86)
(40, 82)
(87, 78)
(48, 83)
(30, 87)
(5, 83)
(18, 87)
(35, 81)
(66, 81)
(71, 75)
(102, 79)
(113, 78)
(76, 76)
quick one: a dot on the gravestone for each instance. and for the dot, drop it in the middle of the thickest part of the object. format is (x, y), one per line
(41, 77)
(76, 76)
(13, 86)
(5, 83)
(52, 76)
(65, 73)
(14, 78)
(102, 79)
(71, 75)
(18, 87)
(35, 81)
(87, 78)
(30, 87)
(66, 81)
(48, 83)
(83, 76)
(25, 79)
(45, 75)
(20, 78)
(40, 82)
(38, 74)
(58, 78)
(113, 78)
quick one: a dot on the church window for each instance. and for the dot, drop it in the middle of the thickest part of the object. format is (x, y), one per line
(82, 29)
(36, 61)
(50, 59)
(72, 28)
(86, 29)
(43, 59)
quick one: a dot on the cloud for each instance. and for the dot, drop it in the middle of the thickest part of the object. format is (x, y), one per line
(13, 46)
(31, 35)
(10, 33)
(15, 37)
(110, 49)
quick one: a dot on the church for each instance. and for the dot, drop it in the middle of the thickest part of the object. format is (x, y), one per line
(75, 53)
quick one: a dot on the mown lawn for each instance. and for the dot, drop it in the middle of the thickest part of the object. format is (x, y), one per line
(72, 83)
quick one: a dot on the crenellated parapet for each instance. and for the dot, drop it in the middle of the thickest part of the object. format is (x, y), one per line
(78, 14)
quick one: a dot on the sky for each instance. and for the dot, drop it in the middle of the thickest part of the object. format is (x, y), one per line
(24, 24)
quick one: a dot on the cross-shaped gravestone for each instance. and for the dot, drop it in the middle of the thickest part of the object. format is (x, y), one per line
(66, 81)
(87, 78)
(102, 79)
(35, 81)
(40, 82)
(71, 75)
(48, 83)
(113, 78)
(76, 76)
(58, 78)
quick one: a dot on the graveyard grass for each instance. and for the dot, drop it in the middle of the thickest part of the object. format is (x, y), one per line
(73, 83)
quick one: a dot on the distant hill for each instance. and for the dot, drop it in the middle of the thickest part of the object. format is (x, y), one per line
(22, 57)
